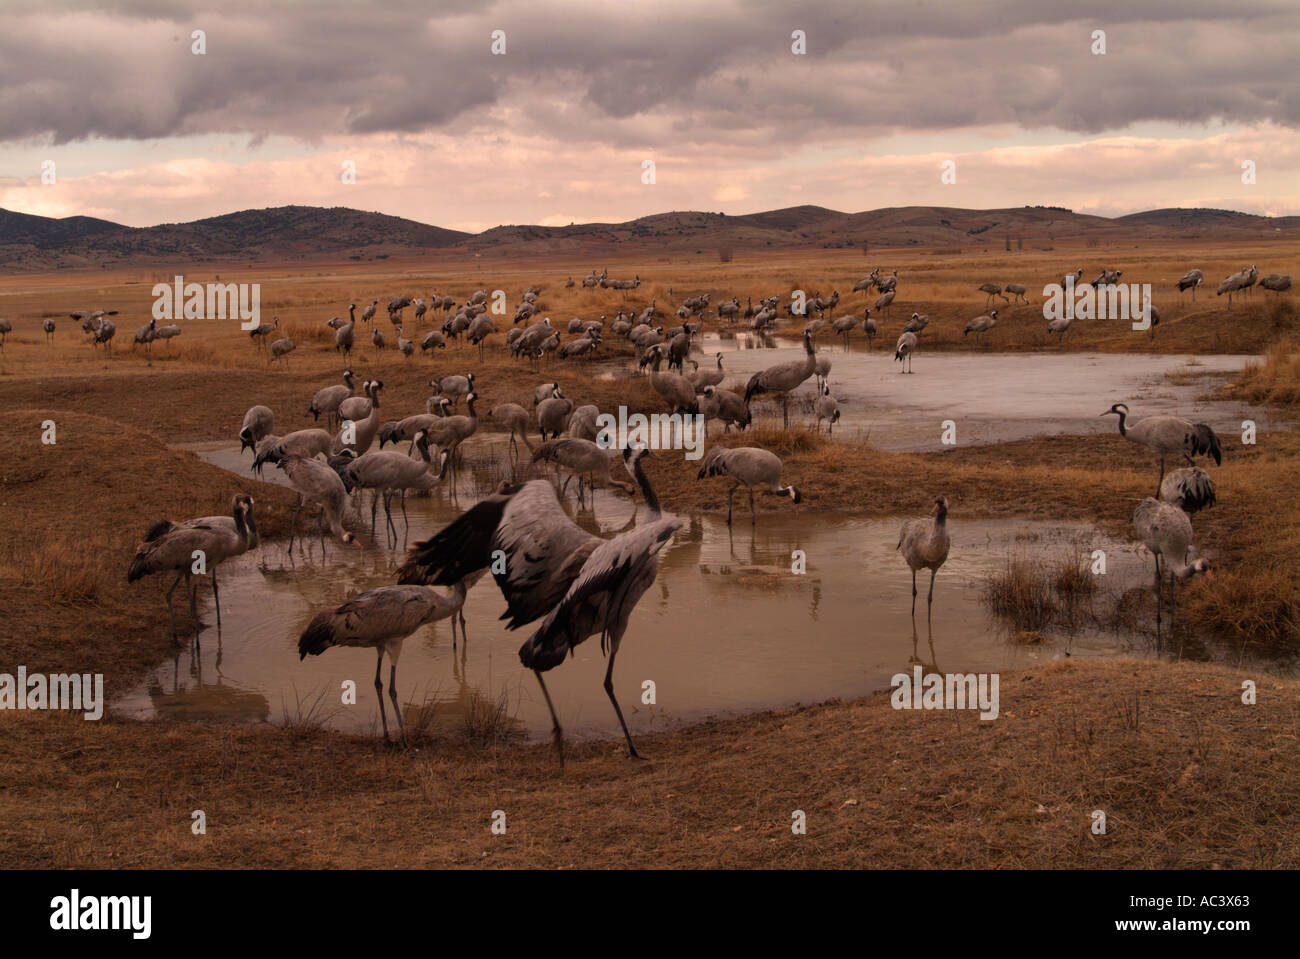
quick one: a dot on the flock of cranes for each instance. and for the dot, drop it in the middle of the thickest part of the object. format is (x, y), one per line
(571, 583)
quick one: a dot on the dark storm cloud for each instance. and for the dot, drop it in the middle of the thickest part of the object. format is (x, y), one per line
(309, 70)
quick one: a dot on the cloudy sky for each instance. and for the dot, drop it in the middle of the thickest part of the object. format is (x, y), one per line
(557, 128)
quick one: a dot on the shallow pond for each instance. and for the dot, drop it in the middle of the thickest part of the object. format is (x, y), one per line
(728, 627)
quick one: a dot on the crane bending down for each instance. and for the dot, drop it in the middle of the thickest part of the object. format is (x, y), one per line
(580, 583)
(752, 467)
(318, 483)
(176, 547)
(1167, 532)
(1169, 435)
(382, 619)
(784, 377)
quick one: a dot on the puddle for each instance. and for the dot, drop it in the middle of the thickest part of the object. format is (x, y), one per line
(992, 397)
(727, 628)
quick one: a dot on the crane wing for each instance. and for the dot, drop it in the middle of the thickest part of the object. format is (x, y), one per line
(609, 571)
(543, 550)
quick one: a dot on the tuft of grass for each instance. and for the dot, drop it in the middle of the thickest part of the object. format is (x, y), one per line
(1034, 596)
(1021, 593)
(307, 715)
(488, 722)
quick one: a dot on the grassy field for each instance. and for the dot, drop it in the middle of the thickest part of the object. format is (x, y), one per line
(1198, 780)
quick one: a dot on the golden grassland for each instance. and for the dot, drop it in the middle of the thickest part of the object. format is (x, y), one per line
(1198, 781)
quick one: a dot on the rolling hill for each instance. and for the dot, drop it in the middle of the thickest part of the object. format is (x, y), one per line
(29, 242)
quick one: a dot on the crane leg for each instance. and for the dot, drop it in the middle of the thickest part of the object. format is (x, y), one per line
(609, 691)
(194, 608)
(753, 514)
(392, 693)
(216, 598)
(929, 602)
(1159, 614)
(1173, 602)
(730, 498)
(914, 594)
(379, 692)
(557, 734)
(293, 524)
(171, 613)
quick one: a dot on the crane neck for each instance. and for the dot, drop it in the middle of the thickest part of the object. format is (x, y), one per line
(647, 491)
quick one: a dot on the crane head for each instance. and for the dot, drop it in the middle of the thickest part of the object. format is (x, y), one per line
(1118, 409)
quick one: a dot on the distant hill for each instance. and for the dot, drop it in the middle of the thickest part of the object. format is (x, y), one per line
(45, 233)
(30, 242)
(277, 233)
(1183, 219)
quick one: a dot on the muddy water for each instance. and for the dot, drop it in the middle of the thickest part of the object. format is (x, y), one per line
(991, 397)
(728, 627)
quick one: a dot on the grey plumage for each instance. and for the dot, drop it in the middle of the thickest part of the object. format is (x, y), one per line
(382, 619)
(991, 290)
(514, 418)
(1190, 489)
(259, 333)
(317, 483)
(281, 349)
(1167, 532)
(553, 414)
(581, 457)
(1018, 291)
(364, 429)
(827, 409)
(307, 443)
(327, 399)
(710, 376)
(675, 389)
(981, 324)
(782, 378)
(1169, 435)
(172, 547)
(581, 584)
(924, 543)
(1190, 281)
(720, 404)
(903, 351)
(387, 472)
(751, 467)
(258, 423)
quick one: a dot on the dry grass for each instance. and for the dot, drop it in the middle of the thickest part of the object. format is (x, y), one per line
(1032, 596)
(1165, 749)
(1187, 777)
(1277, 379)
